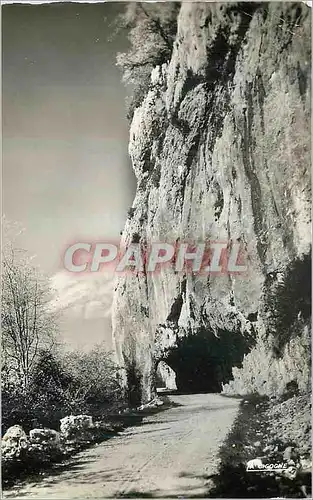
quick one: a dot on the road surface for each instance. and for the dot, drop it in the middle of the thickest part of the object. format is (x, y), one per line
(171, 454)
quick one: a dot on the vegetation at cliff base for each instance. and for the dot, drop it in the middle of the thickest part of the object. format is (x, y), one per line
(41, 382)
(250, 438)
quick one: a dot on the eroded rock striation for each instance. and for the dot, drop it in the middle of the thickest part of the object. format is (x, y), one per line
(221, 150)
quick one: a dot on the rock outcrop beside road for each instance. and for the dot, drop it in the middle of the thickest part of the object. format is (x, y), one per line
(221, 150)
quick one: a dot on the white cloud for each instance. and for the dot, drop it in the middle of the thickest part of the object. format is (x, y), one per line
(86, 296)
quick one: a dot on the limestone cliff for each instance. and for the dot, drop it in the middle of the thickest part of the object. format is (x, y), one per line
(221, 150)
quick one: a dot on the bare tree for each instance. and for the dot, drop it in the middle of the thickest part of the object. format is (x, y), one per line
(27, 323)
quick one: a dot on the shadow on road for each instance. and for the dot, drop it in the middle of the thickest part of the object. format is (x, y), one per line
(72, 468)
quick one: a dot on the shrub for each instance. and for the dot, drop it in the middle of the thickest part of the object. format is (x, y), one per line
(151, 33)
(62, 385)
(95, 381)
(266, 375)
(287, 304)
(44, 402)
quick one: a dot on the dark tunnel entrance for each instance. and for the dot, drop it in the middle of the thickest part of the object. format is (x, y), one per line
(203, 361)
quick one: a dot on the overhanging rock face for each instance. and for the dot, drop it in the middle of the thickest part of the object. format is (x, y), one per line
(221, 150)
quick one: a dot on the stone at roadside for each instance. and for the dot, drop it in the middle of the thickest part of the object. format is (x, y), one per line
(268, 449)
(290, 472)
(305, 448)
(156, 402)
(290, 454)
(44, 436)
(77, 428)
(45, 445)
(306, 465)
(14, 443)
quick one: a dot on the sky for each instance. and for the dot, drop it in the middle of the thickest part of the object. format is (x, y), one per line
(66, 172)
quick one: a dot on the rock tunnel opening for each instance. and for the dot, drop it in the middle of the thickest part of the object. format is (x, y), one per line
(165, 377)
(203, 361)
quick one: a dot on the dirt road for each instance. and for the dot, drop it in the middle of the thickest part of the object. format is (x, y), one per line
(171, 454)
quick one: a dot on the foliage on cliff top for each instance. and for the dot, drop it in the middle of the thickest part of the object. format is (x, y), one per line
(151, 34)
